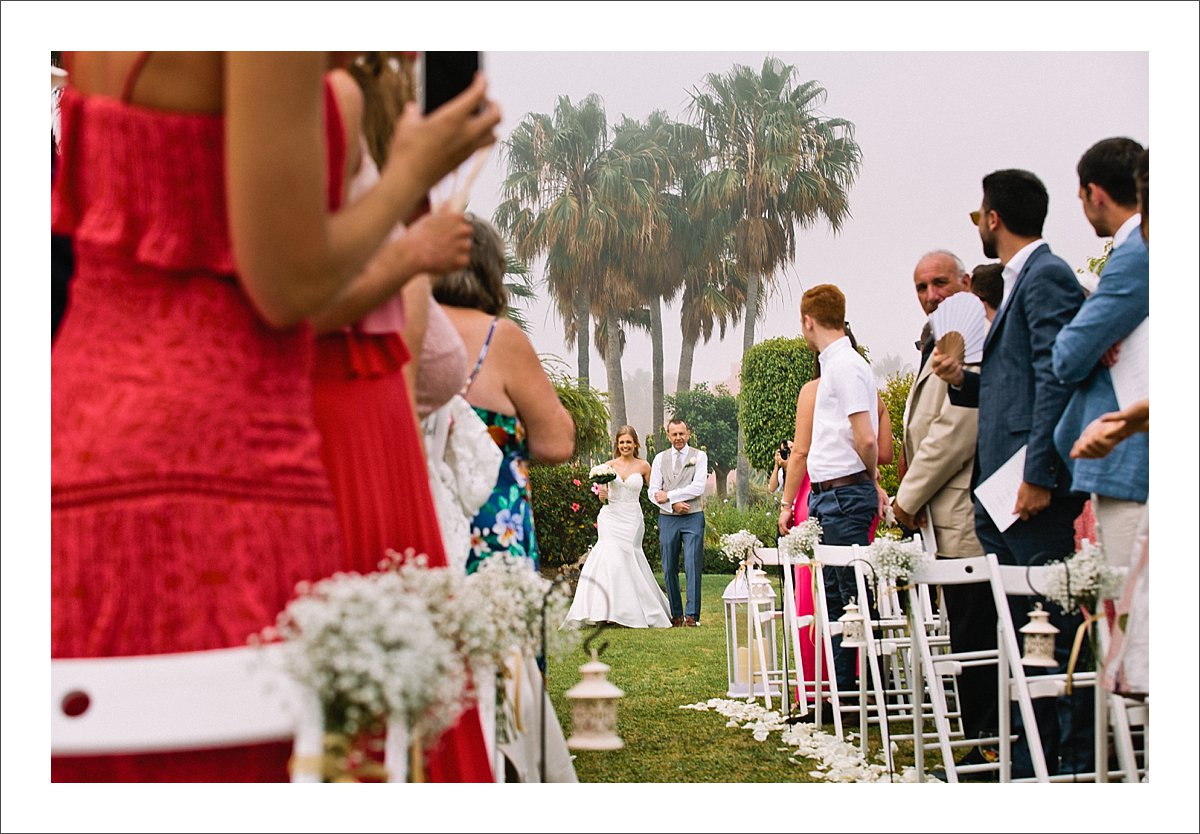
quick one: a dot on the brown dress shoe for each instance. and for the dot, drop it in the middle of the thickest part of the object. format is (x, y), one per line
(690, 622)
(676, 622)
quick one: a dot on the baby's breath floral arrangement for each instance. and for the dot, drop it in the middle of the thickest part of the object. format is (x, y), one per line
(512, 593)
(893, 562)
(739, 547)
(801, 539)
(1083, 580)
(370, 649)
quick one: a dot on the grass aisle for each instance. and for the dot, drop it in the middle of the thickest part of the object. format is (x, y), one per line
(660, 670)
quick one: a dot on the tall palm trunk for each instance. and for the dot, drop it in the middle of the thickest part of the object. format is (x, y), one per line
(753, 283)
(582, 343)
(687, 354)
(616, 379)
(656, 350)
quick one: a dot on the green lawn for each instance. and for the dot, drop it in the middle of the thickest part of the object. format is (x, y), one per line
(661, 670)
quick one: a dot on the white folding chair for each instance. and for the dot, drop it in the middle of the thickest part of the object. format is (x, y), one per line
(193, 700)
(854, 557)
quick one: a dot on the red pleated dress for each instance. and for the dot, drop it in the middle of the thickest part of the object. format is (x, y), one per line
(375, 457)
(188, 494)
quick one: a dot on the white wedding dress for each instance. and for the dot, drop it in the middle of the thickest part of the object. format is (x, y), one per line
(616, 583)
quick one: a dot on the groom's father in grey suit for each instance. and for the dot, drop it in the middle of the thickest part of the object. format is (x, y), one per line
(677, 479)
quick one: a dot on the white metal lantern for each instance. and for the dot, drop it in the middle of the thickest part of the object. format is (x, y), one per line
(854, 633)
(1039, 639)
(751, 643)
(594, 709)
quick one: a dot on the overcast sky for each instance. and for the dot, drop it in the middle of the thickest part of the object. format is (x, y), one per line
(930, 126)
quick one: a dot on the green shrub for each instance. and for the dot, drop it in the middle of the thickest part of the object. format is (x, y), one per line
(722, 517)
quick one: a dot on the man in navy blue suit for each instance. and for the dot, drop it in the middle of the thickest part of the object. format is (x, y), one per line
(1020, 402)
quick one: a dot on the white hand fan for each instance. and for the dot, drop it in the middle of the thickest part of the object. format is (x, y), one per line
(962, 314)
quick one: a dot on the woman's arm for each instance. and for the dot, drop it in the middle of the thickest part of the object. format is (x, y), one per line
(797, 463)
(293, 257)
(886, 443)
(549, 427)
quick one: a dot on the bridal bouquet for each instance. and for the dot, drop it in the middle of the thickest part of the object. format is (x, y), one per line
(602, 473)
(739, 547)
(371, 650)
(895, 561)
(1083, 580)
(801, 539)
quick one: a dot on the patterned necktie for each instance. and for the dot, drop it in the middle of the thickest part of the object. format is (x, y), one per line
(676, 466)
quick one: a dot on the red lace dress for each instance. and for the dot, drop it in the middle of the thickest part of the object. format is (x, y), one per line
(376, 462)
(188, 495)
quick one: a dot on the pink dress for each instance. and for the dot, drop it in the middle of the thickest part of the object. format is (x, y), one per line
(187, 493)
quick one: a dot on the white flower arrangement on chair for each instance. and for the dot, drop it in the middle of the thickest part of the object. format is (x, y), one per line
(893, 562)
(801, 540)
(1083, 580)
(739, 547)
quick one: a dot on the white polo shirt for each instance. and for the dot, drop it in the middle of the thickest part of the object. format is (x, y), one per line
(847, 387)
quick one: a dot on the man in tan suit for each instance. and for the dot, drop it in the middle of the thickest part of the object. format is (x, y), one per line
(935, 493)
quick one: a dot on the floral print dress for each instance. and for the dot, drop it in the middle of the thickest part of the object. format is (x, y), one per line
(505, 523)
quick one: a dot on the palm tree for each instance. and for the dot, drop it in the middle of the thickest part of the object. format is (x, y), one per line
(520, 290)
(776, 166)
(549, 207)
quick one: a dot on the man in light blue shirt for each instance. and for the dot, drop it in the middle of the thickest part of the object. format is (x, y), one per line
(1118, 483)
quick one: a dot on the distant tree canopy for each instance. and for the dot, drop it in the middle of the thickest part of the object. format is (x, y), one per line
(773, 372)
(712, 417)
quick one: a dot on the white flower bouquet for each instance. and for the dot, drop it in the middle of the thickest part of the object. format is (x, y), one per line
(1083, 580)
(371, 650)
(602, 473)
(739, 547)
(801, 539)
(893, 562)
(512, 595)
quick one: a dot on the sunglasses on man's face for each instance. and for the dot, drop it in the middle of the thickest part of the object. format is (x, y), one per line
(975, 218)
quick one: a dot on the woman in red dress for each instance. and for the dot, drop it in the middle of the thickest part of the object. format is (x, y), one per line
(188, 496)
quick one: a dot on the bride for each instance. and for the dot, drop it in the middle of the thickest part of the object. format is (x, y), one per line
(616, 584)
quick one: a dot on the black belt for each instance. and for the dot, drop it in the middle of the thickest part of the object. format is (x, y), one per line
(860, 477)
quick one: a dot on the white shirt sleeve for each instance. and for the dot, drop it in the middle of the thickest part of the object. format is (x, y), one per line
(854, 392)
(694, 489)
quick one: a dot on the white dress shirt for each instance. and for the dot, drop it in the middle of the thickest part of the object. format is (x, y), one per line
(688, 491)
(1013, 268)
(847, 387)
(1127, 228)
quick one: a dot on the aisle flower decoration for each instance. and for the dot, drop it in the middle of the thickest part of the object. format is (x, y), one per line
(512, 594)
(801, 540)
(739, 547)
(1083, 580)
(602, 473)
(369, 647)
(893, 562)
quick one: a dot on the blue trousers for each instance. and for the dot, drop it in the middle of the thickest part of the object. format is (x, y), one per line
(1066, 724)
(845, 514)
(676, 534)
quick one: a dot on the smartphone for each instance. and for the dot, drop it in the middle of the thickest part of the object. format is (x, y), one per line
(445, 75)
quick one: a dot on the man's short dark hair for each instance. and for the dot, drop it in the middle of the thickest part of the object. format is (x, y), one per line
(677, 421)
(1110, 164)
(987, 282)
(1019, 198)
